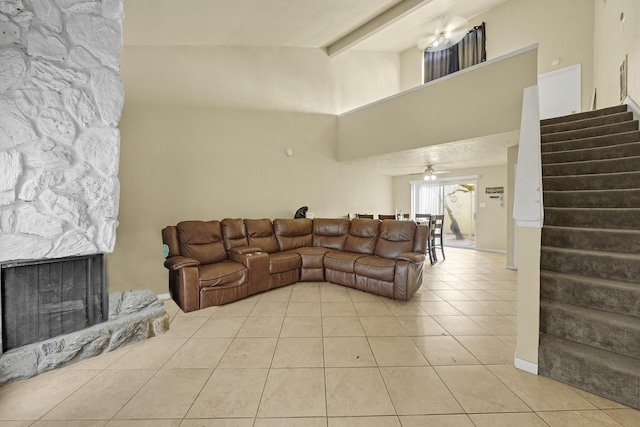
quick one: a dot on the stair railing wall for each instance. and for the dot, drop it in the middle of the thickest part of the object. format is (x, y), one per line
(528, 213)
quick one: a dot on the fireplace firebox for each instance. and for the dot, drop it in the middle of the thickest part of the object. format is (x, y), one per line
(46, 298)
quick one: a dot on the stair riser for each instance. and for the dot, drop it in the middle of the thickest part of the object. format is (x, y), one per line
(592, 182)
(604, 265)
(618, 241)
(584, 115)
(605, 336)
(595, 375)
(593, 199)
(590, 132)
(631, 164)
(626, 219)
(615, 152)
(586, 292)
(587, 123)
(599, 141)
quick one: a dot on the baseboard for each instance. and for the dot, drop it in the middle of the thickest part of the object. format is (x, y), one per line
(498, 251)
(163, 297)
(512, 267)
(526, 366)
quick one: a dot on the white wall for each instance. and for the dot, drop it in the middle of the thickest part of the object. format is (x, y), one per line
(613, 40)
(204, 135)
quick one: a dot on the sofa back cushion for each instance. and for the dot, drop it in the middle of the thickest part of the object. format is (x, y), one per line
(234, 233)
(362, 237)
(202, 241)
(330, 232)
(293, 233)
(260, 234)
(395, 237)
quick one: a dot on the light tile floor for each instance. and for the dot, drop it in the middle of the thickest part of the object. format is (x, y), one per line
(319, 354)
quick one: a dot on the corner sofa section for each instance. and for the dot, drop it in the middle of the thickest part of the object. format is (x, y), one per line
(217, 262)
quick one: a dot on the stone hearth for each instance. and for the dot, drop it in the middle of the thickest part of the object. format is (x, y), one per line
(133, 316)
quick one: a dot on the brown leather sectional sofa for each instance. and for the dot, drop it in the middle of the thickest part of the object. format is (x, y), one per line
(216, 262)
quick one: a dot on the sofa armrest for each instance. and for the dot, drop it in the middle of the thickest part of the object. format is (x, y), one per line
(412, 257)
(243, 250)
(178, 262)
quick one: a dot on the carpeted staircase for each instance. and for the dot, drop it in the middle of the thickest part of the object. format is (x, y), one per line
(590, 255)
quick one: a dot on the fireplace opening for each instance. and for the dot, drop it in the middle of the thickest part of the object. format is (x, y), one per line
(46, 298)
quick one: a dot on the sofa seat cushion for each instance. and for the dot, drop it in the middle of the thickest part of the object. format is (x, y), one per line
(376, 267)
(222, 273)
(284, 261)
(341, 261)
(312, 257)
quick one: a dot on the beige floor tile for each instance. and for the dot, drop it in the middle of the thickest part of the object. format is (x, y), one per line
(101, 361)
(372, 308)
(343, 352)
(303, 327)
(340, 308)
(298, 353)
(358, 295)
(506, 294)
(305, 294)
(627, 417)
(444, 350)
(489, 350)
(598, 401)
(436, 421)
(396, 351)
(270, 308)
(421, 325)
(169, 394)
(200, 353)
(405, 308)
(479, 391)
(508, 339)
(496, 325)
(16, 423)
(261, 326)
(183, 327)
(439, 308)
(282, 294)
(249, 353)
(102, 397)
(230, 393)
(461, 325)
(578, 419)
(540, 393)
(330, 292)
(382, 326)
(472, 308)
(418, 391)
(423, 294)
(151, 353)
(218, 422)
(32, 398)
(68, 423)
(144, 423)
(171, 307)
(387, 421)
(203, 312)
(507, 308)
(342, 327)
(452, 295)
(296, 392)
(507, 420)
(240, 308)
(220, 327)
(291, 422)
(481, 295)
(304, 308)
(345, 395)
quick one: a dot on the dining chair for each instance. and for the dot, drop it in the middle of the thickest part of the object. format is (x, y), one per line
(367, 216)
(381, 216)
(437, 227)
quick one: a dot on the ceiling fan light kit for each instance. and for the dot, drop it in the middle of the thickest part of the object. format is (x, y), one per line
(446, 31)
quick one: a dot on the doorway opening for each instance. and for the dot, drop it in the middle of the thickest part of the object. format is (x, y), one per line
(455, 198)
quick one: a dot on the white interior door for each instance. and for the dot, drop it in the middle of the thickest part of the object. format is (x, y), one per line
(560, 92)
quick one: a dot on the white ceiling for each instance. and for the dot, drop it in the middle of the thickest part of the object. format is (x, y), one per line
(316, 24)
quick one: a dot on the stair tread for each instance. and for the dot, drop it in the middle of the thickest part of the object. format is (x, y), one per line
(605, 190)
(592, 175)
(633, 134)
(591, 229)
(588, 252)
(585, 114)
(587, 122)
(570, 135)
(594, 314)
(589, 149)
(608, 283)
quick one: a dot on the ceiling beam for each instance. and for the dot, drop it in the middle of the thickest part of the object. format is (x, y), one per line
(373, 26)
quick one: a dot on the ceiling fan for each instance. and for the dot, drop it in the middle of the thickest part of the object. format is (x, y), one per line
(430, 173)
(445, 32)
